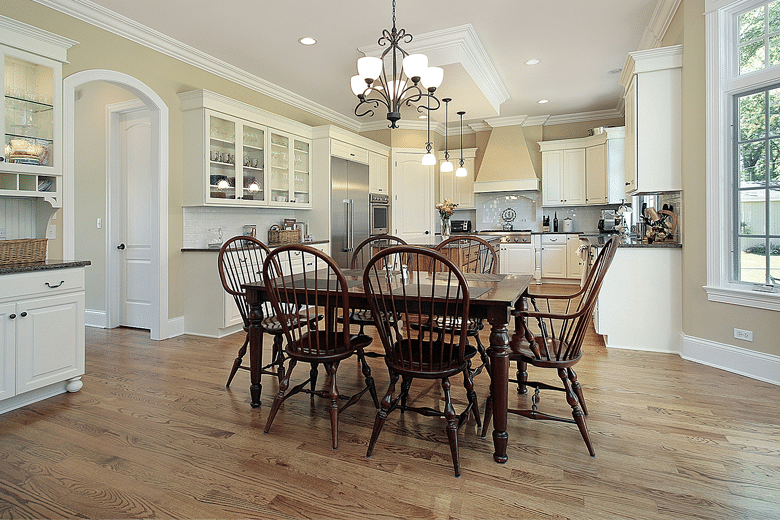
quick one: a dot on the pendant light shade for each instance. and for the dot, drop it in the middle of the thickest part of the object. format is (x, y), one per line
(429, 159)
(447, 167)
(461, 171)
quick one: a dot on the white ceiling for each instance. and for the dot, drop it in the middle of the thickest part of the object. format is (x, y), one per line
(578, 41)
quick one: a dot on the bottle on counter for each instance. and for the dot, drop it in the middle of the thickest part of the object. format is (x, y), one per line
(555, 223)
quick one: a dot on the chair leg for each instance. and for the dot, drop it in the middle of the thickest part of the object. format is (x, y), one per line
(471, 395)
(237, 362)
(369, 380)
(577, 390)
(278, 354)
(452, 425)
(313, 373)
(579, 417)
(522, 377)
(488, 416)
(381, 415)
(284, 383)
(333, 393)
(406, 384)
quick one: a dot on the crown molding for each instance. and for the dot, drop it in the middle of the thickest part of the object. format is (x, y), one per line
(112, 22)
(458, 44)
(536, 120)
(584, 116)
(480, 127)
(495, 122)
(659, 23)
(44, 43)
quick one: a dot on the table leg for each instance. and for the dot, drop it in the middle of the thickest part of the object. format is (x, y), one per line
(499, 383)
(255, 349)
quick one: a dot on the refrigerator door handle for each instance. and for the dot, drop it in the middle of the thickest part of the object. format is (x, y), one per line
(349, 212)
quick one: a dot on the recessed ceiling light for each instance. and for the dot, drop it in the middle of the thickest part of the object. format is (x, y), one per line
(543, 101)
(307, 41)
(533, 62)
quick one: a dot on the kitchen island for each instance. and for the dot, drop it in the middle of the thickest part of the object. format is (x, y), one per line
(42, 337)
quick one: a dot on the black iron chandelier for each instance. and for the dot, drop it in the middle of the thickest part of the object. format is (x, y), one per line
(375, 85)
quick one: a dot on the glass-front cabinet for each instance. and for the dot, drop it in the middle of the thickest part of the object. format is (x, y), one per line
(232, 161)
(30, 165)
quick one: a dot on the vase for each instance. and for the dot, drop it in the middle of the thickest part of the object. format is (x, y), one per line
(446, 228)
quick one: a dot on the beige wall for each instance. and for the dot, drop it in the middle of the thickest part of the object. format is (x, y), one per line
(577, 130)
(702, 318)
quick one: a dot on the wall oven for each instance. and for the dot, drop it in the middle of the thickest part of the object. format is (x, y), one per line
(379, 213)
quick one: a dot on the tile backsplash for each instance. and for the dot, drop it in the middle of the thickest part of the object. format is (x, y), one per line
(199, 220)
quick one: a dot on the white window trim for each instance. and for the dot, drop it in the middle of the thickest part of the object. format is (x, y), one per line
(720, 90)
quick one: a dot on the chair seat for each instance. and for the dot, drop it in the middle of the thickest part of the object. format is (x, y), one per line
(273, 325)
(435, 353)
(305, 348)
(520, 350)
(357, 316)
(473, 325)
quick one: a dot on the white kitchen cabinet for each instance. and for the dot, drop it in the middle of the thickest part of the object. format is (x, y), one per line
(42, 339)
(31, 164)
(239, 155)
(517, 258)
(596, 174)
(574, 264)
(653, 100)
(378, 173)
(460, 190)
(563, 176)
(554, 256)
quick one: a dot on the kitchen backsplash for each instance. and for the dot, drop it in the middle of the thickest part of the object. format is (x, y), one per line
(526, 205)
(18, 217)
(199, 220)
(584, 218)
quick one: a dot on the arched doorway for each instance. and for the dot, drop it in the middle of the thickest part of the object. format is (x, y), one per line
(158, 111)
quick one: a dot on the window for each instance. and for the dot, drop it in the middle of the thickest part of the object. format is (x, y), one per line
(756, 187)
(743, 152)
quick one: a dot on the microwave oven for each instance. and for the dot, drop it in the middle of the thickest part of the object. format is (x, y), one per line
(460, 226)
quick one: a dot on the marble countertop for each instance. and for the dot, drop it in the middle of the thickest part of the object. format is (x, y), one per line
(42, 266)
(271, 246)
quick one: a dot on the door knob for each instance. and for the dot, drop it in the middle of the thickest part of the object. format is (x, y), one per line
(120, 246)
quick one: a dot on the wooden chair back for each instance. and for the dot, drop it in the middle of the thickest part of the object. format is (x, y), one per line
(366, 250)
(562, 321)
(423, 350)
(306, 279)
(240, 261)
(471, 254)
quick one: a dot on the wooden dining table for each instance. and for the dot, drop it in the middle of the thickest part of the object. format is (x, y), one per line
(494, 296)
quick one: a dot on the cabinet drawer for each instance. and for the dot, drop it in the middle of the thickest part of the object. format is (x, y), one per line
(53, 281)
(348, 151)
(553, 239)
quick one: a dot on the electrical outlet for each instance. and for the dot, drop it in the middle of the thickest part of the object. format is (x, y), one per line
(51, 232)
(746, 335)
(2, 233)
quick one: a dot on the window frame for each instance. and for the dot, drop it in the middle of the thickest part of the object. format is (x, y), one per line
(723, 84)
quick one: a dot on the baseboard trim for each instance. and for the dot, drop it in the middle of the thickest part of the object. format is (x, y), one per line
(738, 360)
(98, 319)
(175, 327)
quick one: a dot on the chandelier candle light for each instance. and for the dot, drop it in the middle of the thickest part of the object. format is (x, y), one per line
(446, 166)
(461, 171)
(375, 84)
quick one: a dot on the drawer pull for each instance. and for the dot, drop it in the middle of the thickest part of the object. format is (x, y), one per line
(54, 286)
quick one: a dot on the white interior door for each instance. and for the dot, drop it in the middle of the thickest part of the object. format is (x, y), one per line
(413, 211)
(135, 199)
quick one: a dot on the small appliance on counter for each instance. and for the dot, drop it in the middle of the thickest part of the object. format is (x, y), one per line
(460, 226)
(568, 225)
(608, 221)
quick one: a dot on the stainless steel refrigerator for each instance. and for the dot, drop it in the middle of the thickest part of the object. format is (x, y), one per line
(349, 222)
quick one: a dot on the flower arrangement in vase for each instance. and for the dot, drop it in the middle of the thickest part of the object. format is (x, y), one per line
(446, 209)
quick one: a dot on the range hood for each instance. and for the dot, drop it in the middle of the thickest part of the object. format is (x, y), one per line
(506, 165)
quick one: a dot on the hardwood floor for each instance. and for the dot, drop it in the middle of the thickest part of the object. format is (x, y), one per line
(155, 433)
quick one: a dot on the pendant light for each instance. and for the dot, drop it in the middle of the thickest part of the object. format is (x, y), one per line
(429, 159)
(446, 166)
(461, 171)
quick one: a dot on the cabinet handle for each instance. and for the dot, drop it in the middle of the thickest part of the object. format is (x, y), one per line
(23, 314)
(2, 158)
(12, 316)
(54, 286)
(628, 184)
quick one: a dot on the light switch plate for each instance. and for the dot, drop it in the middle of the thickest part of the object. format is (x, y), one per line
(51, 232)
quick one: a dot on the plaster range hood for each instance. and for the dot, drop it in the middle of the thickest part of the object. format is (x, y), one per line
(506, 165)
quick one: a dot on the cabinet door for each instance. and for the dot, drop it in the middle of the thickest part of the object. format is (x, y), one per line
(253, 164)
(222, 160)
(554, 256)
(596, 174)
(279, 179)
(301, 172)
(630, 142)
(552, 176)
(517, 259)
(574, 264)
(7, 350)
(231, 315)
(378, 174)
(574, 177)
(50, 340)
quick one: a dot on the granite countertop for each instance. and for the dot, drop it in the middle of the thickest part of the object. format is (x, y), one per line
(271, 246)
(42, 266)
(601, 239)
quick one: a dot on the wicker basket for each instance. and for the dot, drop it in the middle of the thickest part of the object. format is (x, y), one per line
(278, 236)
(22, 251)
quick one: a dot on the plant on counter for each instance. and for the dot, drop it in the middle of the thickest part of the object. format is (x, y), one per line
(446, 209)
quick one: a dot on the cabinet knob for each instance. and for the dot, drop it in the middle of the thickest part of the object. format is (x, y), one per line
(120, 246)
(23, 314)
(2, 158)
(628, 184)
(12, 316)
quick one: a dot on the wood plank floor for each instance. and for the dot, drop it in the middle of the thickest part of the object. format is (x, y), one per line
(155, 433)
